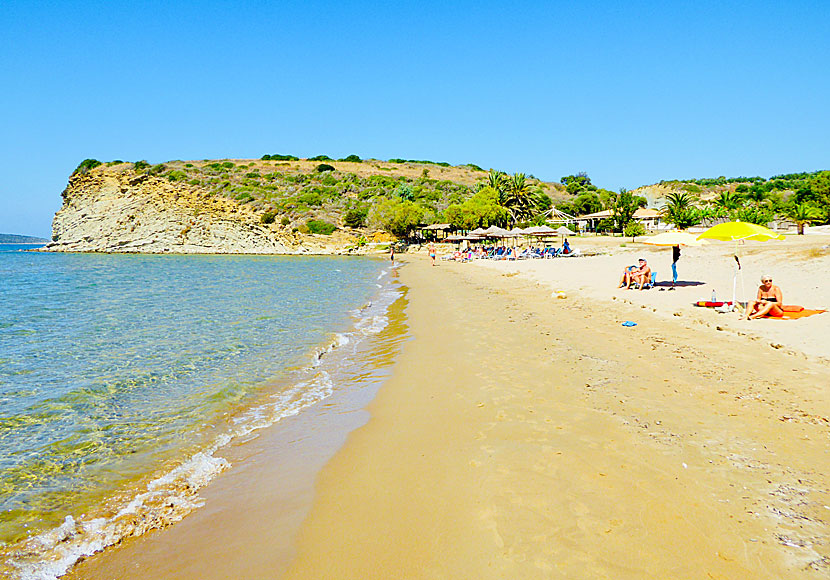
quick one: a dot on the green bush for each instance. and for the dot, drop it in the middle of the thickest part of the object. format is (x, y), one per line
(86, 165)
(321, 158)
(194, 182)
(177, 175)
(114, 162)
(329, 180)
(312, 198)
(355, 217)
(634, 229)
(253, 175)
(352, 158)
(157, 169)
(285, 221)
(278, 157)
(323, 167)
(268, 217)
(320, 227)
(188, 165)
(227, 164)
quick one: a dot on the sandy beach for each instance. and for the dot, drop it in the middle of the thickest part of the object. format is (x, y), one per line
(524, 436)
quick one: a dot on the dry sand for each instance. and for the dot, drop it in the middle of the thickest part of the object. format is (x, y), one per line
(521, 436)
(527, 437)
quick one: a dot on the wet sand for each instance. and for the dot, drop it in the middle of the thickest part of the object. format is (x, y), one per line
(526, 437)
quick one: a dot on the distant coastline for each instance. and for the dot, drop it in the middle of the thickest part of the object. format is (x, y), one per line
(18, 239)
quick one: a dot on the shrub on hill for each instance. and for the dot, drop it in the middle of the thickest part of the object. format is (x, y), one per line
(140, 165)
(352, 159)
(320, 227)
(268, 217)
(86, 165)
(278, 157)
(321, 158)
(323, 167)
(355, 217)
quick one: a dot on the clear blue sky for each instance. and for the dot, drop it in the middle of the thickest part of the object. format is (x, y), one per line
(631, 92)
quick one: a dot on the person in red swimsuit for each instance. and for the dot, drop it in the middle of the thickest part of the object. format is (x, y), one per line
(768, 302)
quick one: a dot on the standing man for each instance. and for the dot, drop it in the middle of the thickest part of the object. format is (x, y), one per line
(675, 256)
(432, 252)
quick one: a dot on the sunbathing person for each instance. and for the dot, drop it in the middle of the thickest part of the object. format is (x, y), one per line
(640, 275)
(625, 279)
(767, 303)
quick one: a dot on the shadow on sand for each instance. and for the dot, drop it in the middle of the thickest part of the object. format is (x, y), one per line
(679, 284)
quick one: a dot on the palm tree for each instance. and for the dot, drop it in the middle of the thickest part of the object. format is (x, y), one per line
(680, 210)
(803, 214)
(728, 200)
(519, 198)
(497, 180)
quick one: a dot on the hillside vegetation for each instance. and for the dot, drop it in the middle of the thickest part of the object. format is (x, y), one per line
(319, 195)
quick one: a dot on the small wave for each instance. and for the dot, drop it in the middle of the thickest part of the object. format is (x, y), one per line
(172, 496)
(167, 500)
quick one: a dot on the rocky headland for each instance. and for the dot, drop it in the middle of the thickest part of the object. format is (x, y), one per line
(121, 210)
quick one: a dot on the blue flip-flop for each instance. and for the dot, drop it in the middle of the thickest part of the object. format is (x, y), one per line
(629, 323)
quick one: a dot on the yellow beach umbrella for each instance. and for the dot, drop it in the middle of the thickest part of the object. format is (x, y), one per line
(739, 232)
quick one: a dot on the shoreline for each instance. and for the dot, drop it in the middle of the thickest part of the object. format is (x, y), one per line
(526, 440)
(255, 507)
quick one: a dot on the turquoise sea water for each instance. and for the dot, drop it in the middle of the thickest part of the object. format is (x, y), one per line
(114, 366)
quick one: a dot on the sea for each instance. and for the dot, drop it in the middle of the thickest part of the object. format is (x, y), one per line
(122, 378)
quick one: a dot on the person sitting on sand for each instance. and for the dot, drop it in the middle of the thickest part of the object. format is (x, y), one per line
(625, 279)
(767, 303)
(640, 275)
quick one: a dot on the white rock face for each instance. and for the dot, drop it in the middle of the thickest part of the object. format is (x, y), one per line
(121, 211)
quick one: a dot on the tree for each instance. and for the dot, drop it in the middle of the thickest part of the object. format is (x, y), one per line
(634, 229)
(355, 217)
(396, 216)
(728, 200)
(479, 211)
(623, 206)
(680, 210)
(587, 202)
(575, 184)
(803, 214)
(756, 214)
(497, 180)
(518, 198)
(405, 192)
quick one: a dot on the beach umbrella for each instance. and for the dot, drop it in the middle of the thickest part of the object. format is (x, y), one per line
(496, 232)
(564, 231)
(477, 232)
(541, 231)
(674, 239)
(738, 232)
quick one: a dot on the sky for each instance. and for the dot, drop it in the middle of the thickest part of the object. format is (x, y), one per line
(630, 92)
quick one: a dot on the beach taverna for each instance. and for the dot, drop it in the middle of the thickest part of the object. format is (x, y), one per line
(650, 218)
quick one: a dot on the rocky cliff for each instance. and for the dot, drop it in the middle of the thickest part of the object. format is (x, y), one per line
(119, 210)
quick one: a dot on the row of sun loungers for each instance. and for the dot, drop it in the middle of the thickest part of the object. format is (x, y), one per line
(502, 253)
